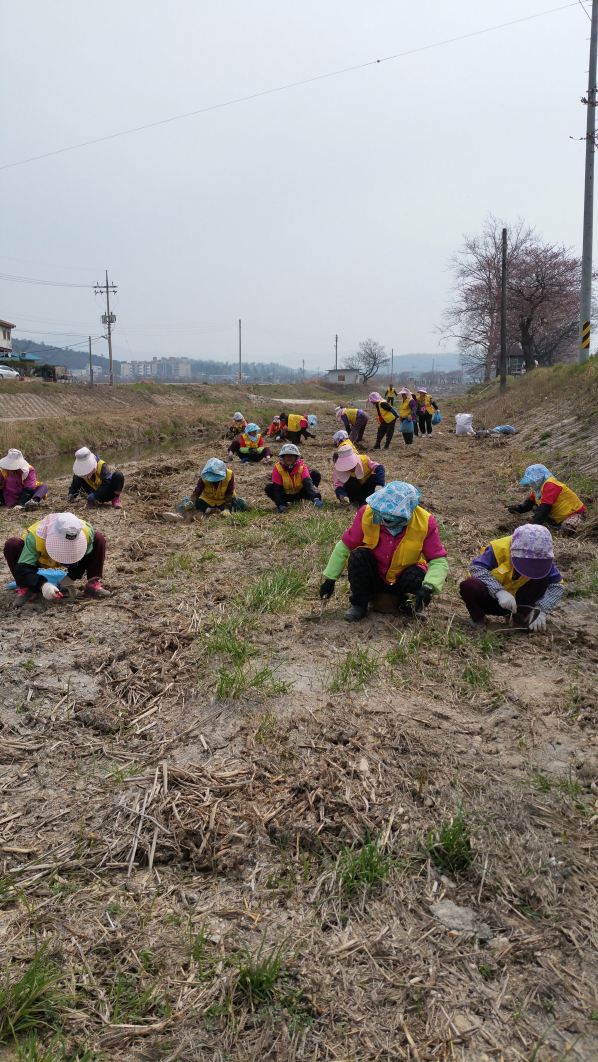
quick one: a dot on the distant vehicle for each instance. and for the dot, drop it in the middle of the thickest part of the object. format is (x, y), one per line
(8, 374)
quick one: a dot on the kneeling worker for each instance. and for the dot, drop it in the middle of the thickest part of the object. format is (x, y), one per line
(392, 548)
(18, 483)
(214, 493)
(94, 478)
(356, 476)
(59, 540)
(292, 481)
(250, 446)
(295, 425)
(514, 575)
(552, 501)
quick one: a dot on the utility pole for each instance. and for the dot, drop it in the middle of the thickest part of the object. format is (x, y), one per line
(392, 365)
(304, 370)
(336, 352)
(240, 370)
(108, 319)
(588, 202)
(503, 314)
(90, 365)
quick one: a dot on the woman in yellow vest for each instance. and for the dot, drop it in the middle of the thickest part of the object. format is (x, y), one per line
(515, 577)
(353, 420)
(295, 425)
(214, 493)
(392, 548)
(552, 501)
(292, 480)
(19, 486)
(356, 476)
(342, 439)
(250, 446)
(94, 478)
(390, 394)
(386, 416)
(59, 541)
(425, 411)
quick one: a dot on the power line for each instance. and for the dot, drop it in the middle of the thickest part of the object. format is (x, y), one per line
(284, 88)
(46, 283)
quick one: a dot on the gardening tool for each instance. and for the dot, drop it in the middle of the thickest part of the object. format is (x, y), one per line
(68, 588)
(318, 616)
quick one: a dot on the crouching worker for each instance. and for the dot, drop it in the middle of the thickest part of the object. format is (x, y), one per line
(237, 426)
(293, 426)
(552, 502)
(18, 483)
(514, 576)
(59, 540)
(214, 493)
(340, 438)
(292, 481)
(354, 420)
(356, 476)
(250, 446)
(94, 478)
(394, 555)
(274, 429)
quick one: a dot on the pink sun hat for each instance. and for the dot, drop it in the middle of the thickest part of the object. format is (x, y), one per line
(422, 390)
(348, 460)
(532, 553)
(66, 541)
(405, 391)
(375, 397)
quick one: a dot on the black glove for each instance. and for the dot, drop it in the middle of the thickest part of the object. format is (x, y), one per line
(513, 508)
(422, 598)
(327, 588)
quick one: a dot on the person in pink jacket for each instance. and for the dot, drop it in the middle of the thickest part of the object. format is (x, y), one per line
(19, 486)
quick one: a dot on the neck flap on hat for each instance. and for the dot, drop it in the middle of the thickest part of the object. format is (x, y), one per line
(535, 476)
(394, 505)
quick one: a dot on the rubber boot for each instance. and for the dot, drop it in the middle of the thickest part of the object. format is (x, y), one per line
(355, 614)
(31, 505)
(23, 596)
(116, 502)
(478, 625)
(90, 504)
(94, 588)
(68, 589)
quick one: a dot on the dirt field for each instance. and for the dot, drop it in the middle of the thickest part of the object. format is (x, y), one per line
(228, 833)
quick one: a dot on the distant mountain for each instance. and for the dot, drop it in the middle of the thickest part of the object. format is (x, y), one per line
(73, 359)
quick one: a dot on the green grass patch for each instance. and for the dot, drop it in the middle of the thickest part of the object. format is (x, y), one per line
(32, 1050)
(273, 591)
(353, 671)
(586, 580)
(234, 682)
(226, 635)
(32, 1000)
(449, 846)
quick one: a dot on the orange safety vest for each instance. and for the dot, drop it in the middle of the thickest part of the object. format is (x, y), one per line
(409, 550)
(213, 493)
(384, 415)
(296, 422)
(291, 483)
(44, 559)
(566, 503)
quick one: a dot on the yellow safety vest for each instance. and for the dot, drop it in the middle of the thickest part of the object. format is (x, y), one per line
(384, 415)
(351, 415)
(504, 571)
(249, 444)
(409, 550)
(291, 484)
(391, 393)
(44, 559)
(425, 400)
(347, 442)
(213, 493)
(367, 472)
(566, 503)
(95, 478)
(294, 421)
(405, 409)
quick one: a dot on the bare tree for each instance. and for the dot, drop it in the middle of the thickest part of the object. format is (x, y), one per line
(368, 360)
(542, 292)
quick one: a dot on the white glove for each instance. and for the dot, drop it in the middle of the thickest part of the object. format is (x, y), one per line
(345, 499)
(506, 600)
(379, 487)
(539, 624)
(50, 592)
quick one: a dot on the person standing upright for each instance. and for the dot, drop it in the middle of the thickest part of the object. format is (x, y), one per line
(387, 417)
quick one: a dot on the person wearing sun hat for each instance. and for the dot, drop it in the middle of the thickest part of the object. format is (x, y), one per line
(552, 502)
(237, 425)
(274, 428)
(214, 493)
(341, 438)
(395, 559)
(425, 411)
(354, 420)
(514, 577)
(250, 446)
(293, 427)
(292, 480)
(387, 417)
(60, 540)
(95, 479)
(356, 476)
(19, 486)
(408, 415)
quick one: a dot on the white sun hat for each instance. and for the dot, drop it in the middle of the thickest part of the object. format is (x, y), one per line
(66, 540)
(85, 462)
(14, 460)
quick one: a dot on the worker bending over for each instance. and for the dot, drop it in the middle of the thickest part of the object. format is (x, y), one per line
(552, 502)
(354, 420)
(387, 418)
(250, 446)
(274, 429)
(19, 486)
(295, 425)
(425, 411)
(214, 493)
(392, 548)
(342, 439)
(237, 425)
(356, 476)
(94, 478)
(514, 576)
(59, 540)
(292, 481)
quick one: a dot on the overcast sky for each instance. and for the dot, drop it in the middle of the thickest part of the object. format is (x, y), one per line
(328, 207)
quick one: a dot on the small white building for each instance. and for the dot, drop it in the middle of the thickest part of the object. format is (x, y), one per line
(5, 339)
(345, 376)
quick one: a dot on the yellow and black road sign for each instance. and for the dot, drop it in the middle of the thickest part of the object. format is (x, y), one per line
(585, 335)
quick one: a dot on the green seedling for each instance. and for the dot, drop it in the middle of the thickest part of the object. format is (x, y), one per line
(234, 682)
(259, 973)
(449, 846)
(353, 671)
(31, 1050)
(33, 1000)
(267, 728)
(272, 591)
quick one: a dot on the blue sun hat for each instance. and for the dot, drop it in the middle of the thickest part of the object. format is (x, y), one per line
(535, 476)
(394, 505)
(214, 470)
(252, 430)
(312, 422)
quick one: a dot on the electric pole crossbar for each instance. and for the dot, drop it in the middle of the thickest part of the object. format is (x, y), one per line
(108, 318)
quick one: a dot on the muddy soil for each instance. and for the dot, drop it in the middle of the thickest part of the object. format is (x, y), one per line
(190, 770)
